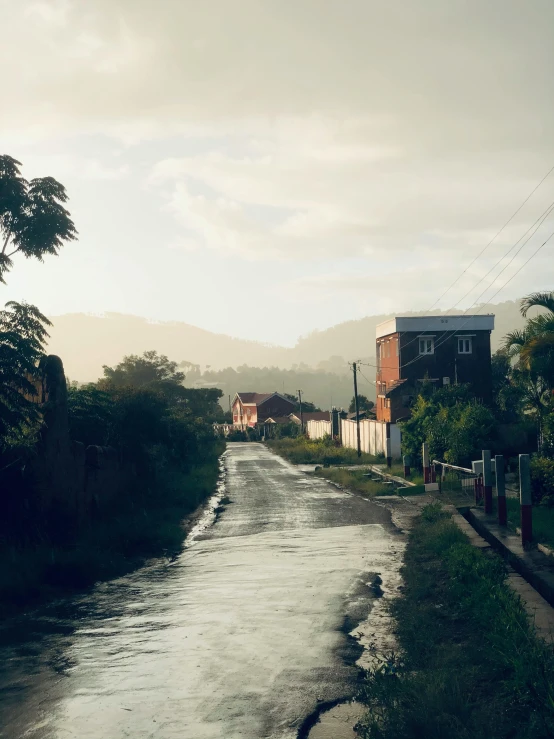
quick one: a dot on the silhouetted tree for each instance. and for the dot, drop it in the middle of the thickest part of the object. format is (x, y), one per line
(22, 337)
(364, 404)
(33, 221)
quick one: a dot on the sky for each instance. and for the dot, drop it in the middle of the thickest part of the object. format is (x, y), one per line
(264, 168)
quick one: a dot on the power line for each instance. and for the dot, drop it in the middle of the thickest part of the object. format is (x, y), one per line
(496, 293)
(536, 225)
(510, 219)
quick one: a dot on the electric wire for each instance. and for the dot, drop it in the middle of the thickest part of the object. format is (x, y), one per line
(510, 219)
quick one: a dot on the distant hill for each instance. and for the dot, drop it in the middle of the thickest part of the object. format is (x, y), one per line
(86, 342)
(353, 339)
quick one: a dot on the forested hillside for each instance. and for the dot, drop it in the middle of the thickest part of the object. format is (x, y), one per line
(88, 341)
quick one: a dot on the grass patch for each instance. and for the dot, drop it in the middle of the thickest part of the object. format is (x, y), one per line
(355, 480)
(302, 450)
(398, 470)
(141, 526)
(471, 664)
(543, 521)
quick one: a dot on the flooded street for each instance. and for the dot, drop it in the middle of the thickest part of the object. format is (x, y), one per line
(241, 636)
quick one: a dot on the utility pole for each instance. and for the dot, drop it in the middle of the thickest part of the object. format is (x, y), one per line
(355, 370)
(301, 414)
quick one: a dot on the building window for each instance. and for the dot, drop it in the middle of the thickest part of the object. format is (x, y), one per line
(397, 342)
(426, 346)
(464, 345)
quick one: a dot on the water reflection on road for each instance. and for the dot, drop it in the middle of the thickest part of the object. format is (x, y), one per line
(241, 636)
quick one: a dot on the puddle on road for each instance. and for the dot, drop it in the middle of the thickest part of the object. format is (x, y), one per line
(338, 722)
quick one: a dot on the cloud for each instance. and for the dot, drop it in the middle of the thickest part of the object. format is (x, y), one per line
(318, 136)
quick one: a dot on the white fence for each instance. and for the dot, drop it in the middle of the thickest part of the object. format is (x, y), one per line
(318, 429)
(373, 435)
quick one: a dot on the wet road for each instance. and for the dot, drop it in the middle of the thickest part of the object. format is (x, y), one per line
(238, 638)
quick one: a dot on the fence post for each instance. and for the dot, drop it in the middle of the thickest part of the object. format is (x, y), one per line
(487, 480)
(426, 468)
(501, 490)
(389, 445)
(477, 489)
(525, 499)
(407, 465)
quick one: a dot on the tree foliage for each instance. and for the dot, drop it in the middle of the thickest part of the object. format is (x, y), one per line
(22, 336)
(33, 219)
(141, 405)
(452, 422)
(151, 369)
(364, 404)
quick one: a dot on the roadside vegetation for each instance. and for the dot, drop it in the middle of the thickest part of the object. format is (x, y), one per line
(469, 664)
(359, 481)
(301, 450)
(543, 521)
(162, 435)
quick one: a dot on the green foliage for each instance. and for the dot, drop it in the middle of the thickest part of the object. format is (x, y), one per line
(542, 481)
(33, 220)
(483, 673)
(364, 404)
(145, 522)
(533, 349)
(152, 370)
(22, 337)
(326, 451)
(91, 414)
(455, 426)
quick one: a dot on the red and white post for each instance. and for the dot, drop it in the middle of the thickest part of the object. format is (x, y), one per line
(407, 466)
(525, 499)
(426, 465)
(501, 490)
(487, 480)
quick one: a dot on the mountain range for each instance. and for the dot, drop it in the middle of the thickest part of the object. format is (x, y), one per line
(87, 342)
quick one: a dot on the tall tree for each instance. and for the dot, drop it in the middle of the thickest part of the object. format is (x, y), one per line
(149, 369)
(33, 220)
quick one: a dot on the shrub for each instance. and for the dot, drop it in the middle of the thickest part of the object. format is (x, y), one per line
(542, 481)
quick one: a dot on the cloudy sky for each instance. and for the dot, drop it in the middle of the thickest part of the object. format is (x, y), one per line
(266, 167)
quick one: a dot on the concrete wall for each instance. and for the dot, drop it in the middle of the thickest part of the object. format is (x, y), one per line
(373, 437)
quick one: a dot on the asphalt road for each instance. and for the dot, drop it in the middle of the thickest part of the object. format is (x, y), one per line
(239, 638)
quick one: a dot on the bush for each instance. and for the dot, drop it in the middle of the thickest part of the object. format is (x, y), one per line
(542, 481)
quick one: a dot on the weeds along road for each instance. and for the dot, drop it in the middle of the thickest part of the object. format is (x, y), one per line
(237, 639)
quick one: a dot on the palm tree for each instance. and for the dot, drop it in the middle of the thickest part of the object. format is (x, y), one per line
(533, 346)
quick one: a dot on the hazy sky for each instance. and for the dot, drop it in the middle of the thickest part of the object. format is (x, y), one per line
(266, 167)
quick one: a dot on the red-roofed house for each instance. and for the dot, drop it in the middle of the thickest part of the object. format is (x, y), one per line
(252, 408)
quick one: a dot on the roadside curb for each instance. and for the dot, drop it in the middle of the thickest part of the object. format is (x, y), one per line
(529, 576)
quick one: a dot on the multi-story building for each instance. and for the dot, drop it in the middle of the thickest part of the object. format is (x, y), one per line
(443, 350)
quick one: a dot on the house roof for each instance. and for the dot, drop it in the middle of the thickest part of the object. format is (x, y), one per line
(254, 398)
(281, 420)
(312, 415)
(259, 398)
(445, 322)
